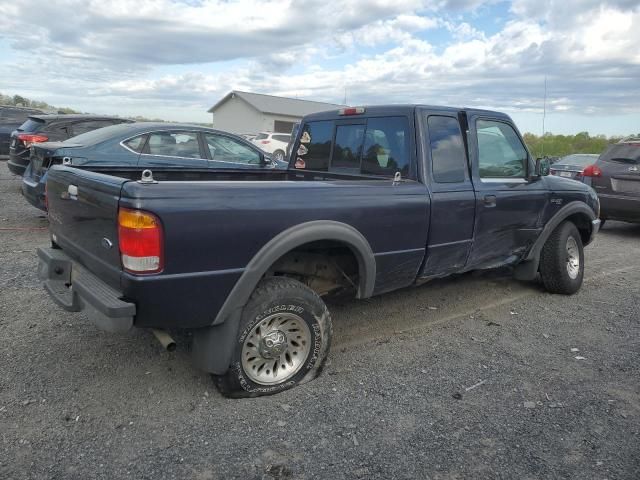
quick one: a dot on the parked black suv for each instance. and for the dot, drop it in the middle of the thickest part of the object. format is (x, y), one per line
(11, 118)
(49, 128)
(616, 179)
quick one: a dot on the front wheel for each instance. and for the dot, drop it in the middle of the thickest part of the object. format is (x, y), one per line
(562, 260)
(283, 340)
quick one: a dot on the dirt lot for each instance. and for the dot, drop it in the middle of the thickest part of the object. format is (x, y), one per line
(477, 376)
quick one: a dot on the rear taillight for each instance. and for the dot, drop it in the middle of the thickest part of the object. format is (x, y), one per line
(592, 171)
(140, 237)
(264, 142)
(28, 139)
(552, 172)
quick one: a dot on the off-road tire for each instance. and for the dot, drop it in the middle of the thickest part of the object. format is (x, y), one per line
(271, 296)
(553, 261)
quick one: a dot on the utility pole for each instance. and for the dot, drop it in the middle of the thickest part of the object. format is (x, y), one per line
(544, 115)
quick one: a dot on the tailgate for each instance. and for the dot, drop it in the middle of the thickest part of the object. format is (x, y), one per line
(83, 215)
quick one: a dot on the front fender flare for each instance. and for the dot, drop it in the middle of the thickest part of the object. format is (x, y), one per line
(528, 268)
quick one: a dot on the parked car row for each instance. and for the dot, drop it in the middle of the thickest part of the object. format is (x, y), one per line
(50, 128)
(108, 142)
(11, 118)
(614, 175)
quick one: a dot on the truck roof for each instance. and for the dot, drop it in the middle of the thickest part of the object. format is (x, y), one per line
(402, 109)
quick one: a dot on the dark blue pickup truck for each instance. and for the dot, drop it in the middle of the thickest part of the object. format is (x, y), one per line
(375, 199)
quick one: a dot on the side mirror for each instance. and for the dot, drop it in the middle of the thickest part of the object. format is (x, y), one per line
(543, 165)
(265, 160)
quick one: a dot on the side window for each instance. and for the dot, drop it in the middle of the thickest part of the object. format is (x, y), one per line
(136, 143)
(314, 151)
(386, 147)
(174, 144)
(282, 138)
(500, 151)
(347, 147)
(226, 149)
(448, 157)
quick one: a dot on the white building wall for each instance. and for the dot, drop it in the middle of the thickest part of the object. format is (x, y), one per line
(268, 119)
(236, 116)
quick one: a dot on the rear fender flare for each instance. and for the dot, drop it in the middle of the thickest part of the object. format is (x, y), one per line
(213, 346)
(295, 237)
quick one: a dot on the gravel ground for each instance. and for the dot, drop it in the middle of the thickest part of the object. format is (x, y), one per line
(477, 376)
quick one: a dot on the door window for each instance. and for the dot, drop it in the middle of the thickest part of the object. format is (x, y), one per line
(225, 149)
(448, 156)
(501, 154)
(174, 144)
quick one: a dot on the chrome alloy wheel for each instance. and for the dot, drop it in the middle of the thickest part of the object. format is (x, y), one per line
(573, 258)
(276, 348)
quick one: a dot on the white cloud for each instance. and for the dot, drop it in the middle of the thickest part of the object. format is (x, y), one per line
(108, 54)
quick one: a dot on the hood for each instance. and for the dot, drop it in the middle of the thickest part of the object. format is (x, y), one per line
(564, 184)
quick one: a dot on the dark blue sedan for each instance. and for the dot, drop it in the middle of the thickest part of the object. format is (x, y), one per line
(143, 145)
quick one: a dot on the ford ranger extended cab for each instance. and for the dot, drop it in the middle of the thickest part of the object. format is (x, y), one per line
(374, 199)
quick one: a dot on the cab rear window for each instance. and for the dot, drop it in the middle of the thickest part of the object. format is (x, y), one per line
(375, 146)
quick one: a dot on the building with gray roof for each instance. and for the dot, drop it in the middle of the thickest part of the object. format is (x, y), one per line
(249, 113)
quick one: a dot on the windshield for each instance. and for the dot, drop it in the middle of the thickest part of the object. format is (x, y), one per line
(100, 135)
(578, 160)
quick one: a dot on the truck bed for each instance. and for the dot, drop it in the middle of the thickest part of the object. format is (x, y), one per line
(216, 222)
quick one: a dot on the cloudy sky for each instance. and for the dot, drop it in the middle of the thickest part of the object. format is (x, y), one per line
(173, 59)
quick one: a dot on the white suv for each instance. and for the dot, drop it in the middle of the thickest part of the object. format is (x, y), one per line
(273, 143)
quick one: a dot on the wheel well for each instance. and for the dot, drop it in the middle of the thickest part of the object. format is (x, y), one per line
(583, 224)
(326, 266)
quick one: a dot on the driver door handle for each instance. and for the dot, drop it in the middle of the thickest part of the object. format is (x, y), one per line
(489, 201)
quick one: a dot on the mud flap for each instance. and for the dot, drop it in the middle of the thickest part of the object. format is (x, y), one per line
(213, 346)
(527, 270)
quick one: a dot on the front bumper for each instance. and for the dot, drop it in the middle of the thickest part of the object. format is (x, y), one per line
(75, 289)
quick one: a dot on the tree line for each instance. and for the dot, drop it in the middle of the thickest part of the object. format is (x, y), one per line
(20, 101)
(560, 145)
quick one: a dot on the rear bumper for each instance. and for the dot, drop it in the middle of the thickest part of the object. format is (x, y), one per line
(33, 190)
(75, 289)
(619, 207)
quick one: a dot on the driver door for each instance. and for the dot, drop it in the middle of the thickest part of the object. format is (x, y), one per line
(509, 202)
